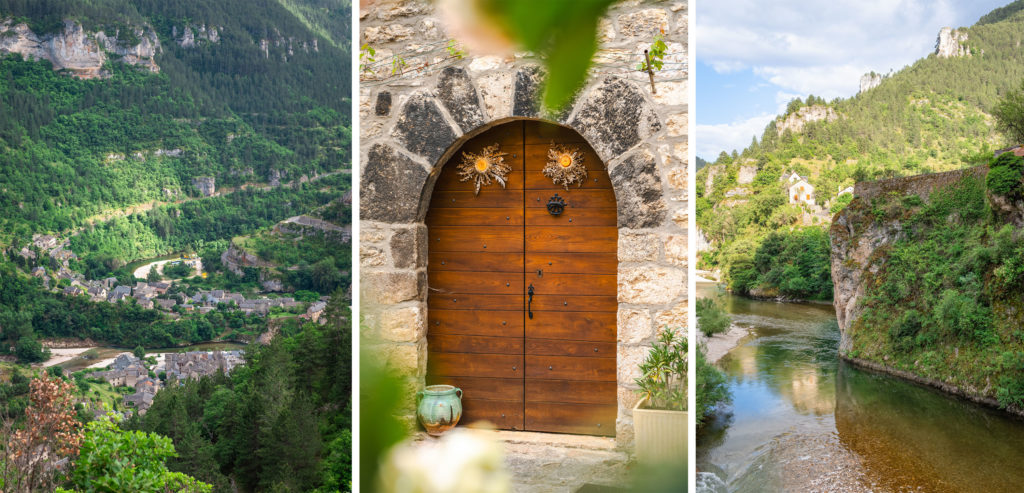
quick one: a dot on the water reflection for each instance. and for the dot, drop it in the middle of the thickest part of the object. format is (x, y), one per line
(911, 435)
(795, 408)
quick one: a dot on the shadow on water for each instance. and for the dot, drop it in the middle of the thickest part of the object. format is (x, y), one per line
(787, 384)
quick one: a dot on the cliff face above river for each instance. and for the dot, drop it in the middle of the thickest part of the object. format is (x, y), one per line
(928, 275)
(80, 52)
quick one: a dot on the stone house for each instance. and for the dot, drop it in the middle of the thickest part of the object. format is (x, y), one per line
(599, 267)
(119, 293)
(164, 303)
(44, 242)
(801, 192)
(39, 271)
(97, 292)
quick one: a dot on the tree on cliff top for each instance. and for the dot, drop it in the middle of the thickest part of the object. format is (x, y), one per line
(1009, 115)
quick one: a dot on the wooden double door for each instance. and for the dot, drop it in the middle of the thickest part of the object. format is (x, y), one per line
(522, 303)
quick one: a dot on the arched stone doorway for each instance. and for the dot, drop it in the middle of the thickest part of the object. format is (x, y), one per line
(522, 296)
(404, 158)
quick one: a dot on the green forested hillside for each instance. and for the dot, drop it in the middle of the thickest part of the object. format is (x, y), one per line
(931, 116)
(72, 149)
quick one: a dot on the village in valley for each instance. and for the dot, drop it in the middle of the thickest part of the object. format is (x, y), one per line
(145, 377)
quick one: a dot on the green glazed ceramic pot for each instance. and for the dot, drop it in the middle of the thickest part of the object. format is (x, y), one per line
(439, 408)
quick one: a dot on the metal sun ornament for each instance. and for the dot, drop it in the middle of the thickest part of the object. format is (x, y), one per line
(484, 166)
(565, 165)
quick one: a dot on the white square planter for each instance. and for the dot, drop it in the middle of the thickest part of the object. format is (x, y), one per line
(661, 436)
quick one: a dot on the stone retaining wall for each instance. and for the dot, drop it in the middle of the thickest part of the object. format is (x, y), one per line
(410, 124)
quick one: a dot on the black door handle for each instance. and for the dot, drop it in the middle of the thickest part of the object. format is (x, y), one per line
(529, 302)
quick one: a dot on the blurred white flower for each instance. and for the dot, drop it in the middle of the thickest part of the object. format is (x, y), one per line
(462, 461)
(473, 27)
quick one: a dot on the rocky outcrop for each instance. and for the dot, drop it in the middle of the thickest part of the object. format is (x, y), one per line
(205, 185)
(950, 43)
(859, 238)
(746, 175)
(869, 81)
(79, 52)
(192, 35)
(796, 121)
(235, 258)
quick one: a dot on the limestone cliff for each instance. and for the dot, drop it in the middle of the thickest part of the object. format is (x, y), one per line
(858, 236)
(796, 121)
(950, 43)
(869, 81)
(79, 52)
(927, 283)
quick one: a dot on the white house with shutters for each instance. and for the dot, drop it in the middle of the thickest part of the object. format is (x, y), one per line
(801, 192)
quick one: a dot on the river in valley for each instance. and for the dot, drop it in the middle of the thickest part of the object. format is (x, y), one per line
(801, 420)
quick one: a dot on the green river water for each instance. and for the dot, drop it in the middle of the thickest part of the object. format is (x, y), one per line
(798, 414)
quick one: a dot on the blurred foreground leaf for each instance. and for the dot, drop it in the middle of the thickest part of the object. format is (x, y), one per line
(562, 32)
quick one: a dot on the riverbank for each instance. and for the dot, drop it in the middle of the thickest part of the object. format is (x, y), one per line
(718, 345)
(953, 390)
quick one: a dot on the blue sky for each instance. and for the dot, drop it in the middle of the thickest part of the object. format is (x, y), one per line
(753, 57)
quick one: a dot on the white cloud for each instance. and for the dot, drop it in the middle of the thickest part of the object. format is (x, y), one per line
(712, 139)
(819, 47)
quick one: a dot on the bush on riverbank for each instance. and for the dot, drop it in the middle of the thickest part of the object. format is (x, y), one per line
(712, 390)
(711, 317)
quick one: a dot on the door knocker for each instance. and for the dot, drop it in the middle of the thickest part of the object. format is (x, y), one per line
(484, 166)
(556, 205)
(565, 165)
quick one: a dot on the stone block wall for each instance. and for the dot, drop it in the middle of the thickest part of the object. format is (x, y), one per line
(410, 122)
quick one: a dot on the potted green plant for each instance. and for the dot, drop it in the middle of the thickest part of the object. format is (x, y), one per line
(660, 418)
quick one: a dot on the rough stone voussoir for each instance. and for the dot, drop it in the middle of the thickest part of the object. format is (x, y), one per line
(638, 191)
(422, 129)
(526, 99)
(455, 90)
(614, 117)
(391, 186)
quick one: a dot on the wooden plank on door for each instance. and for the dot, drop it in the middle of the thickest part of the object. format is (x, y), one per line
(443, 282)
(589, 239)
(586, 199)
(574, 284)
(495, 389)
(572, 263)
(571, 217)
(570, 368)
(564, 303)
(483, 216)
(488, 197)
(476, 365)
(475, 301)
(475, 262)
(562, 347)
(474, 344)
(595, 327)
(582, 419)
(475, 239)
(501, 323)
(569, 391)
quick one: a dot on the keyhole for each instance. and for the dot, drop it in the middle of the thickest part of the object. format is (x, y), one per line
(565, 303)
(504, 322)
(507, 284)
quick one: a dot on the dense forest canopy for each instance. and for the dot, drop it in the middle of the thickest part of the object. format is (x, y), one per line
(934, 115)
(75, 148)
